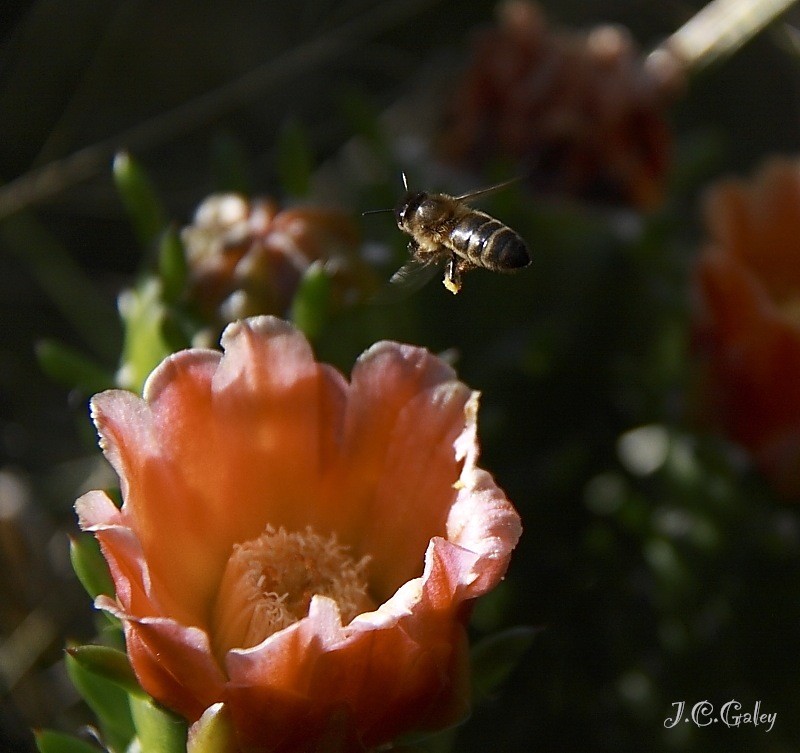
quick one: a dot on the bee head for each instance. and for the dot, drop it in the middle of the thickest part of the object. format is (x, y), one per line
(406, 209)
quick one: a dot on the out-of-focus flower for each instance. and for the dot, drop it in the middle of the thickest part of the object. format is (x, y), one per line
(246, 257)
(297, 547)
(580, 113)
(747, 320)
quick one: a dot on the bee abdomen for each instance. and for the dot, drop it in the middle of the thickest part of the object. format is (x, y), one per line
(487, 242)
(509, 250)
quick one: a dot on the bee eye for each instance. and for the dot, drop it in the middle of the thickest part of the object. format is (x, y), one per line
(409, 207)
(427, 209)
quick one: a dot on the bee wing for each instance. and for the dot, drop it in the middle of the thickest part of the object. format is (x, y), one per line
(489, 189)
(412, 276)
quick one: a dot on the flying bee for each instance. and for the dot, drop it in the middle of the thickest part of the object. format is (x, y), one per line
(445, 230)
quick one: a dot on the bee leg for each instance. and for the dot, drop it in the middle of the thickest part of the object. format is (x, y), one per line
(423, 254)
(413, 248)
(452, 274)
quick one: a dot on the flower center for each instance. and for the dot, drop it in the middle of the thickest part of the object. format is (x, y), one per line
(269, 581)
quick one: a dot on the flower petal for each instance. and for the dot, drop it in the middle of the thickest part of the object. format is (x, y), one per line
(162, 502)
(753, 353)
(329, 676)
(283, 415)
(481, 520)
(121, 549)
(756, 223)
(188, 452)
(223, 446)
(404, 413)
(173, 663)
(746, 327)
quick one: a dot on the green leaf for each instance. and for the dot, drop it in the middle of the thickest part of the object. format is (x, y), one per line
(490, 612)
(90, 566)
(109, 702)
(140, 198)
(159, 730)
(311, 303)
(88, 311)
(295, 159)
(230, 165)
(109, 663)
(143, 314)
(172, 267)
(363, 117)
(213, 732)
(436, 742)
(72, 368)
(50, 741)
(496, 656)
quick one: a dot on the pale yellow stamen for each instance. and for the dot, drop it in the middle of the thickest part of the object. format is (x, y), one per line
(269, 581)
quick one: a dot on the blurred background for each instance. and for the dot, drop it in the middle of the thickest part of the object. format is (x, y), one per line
(659, 563)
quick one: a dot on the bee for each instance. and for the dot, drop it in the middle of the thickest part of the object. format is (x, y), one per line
(445, 230)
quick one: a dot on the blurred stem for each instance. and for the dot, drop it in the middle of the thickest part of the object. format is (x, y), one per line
(114, 16)
(73, 293)
(50, 179)
(718, 29)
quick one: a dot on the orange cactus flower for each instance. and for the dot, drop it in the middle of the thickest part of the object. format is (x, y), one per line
(246, 256)
(579, 112)
(297, 547)
(747, 318)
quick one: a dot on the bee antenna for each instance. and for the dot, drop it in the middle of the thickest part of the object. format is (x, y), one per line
(376, 211)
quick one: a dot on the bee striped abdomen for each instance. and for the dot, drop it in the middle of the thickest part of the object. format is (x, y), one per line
(487, 242)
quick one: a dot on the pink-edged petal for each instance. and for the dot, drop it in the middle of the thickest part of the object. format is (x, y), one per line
(419, 681)
(283, 416)
(287, 655)
(121, 549)
(405, 411)
(95, 509)
(415, 492)
(162, 505)
(316, 667)
(481, 520)
(270, 694)
(484, 522)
